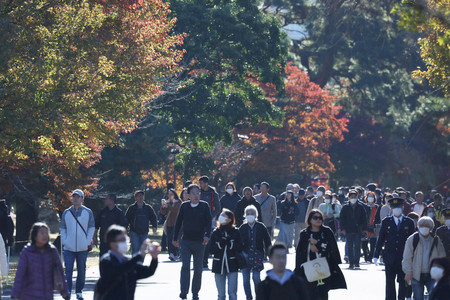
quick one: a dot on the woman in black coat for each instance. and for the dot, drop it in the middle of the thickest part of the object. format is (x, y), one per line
(322, 241)
(118, 273)
(440, 271)
(225, 247)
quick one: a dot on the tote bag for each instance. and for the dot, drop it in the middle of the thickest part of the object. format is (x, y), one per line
(316, 269)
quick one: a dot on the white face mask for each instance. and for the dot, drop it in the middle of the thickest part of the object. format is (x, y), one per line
(340, 192)
(327, 201)
(122, 248)
(370, 199)
(319, 193)
(397, 211)
(222, 220)
(230, 191)
(352, 200)
(425, 231)
(436, 273)
(250, 219)
(447, 222)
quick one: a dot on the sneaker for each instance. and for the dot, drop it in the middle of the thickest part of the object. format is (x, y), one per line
(79, 296)
(351, 267)
(346, 259)
(183, 296)
(195, 297)
(357, 266)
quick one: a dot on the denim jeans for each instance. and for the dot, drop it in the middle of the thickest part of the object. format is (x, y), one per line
(136, 241)
(354, 247)
(298, 228)
(286, 234)
(418, 287)
(69, 259)
(196, 249)
(246, 278)
(232, 285)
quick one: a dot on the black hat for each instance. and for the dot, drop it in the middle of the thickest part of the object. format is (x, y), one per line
(352, 192)
(446, 212)
(301, 192)
(396, 202)
(371, 187)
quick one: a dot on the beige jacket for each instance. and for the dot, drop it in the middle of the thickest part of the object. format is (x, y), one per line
(412, 261)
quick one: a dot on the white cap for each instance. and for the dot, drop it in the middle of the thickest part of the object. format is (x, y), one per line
(78, 192)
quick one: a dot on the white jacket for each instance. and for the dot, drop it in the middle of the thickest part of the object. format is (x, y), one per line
(72, 236)
(3, 258)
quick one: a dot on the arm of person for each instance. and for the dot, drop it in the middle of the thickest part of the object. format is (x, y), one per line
(111, 270)
(216, 243)
(258, 208)
(408, 257)
(20, 276)
(164, 210)
(97, 227)
(260, 291)
(266, 237)
(363, 219)
(146, 271)
(274, 212)
(208, 225)
(65, 291)
(91, 227)
(300, 254)
(153, 219)
(123, 220)
(217, 210)
(129, 215)
(63, 228)
(380, 241)
(178, 223)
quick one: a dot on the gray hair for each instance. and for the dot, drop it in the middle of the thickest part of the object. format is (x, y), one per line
(426, 222)
(296, 186)
(251, 208)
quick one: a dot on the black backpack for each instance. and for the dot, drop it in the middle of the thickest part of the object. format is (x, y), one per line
(416, 240)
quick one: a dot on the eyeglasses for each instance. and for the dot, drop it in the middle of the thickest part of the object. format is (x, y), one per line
(317, 218)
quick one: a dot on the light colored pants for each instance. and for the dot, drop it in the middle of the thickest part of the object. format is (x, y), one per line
(232, 285)
(246, 279)
(286, 234)
(298, 227)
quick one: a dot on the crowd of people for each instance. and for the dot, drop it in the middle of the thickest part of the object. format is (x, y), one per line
(409, 235)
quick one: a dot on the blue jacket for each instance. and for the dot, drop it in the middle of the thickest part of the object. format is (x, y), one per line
(393, 240)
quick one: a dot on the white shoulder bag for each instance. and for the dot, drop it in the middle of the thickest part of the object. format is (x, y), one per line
(317, 269)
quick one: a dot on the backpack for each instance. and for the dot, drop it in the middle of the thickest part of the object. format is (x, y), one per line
(416, 240)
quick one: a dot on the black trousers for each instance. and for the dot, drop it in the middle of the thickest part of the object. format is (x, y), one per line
(368, 248)
(392, 272)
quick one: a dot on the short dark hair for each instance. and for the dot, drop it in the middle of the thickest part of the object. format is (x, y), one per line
(266, 184)
(139, 192)
(113, 232)
(310, 189)
(112, 197)
(311, 214)
(34, 231)
(258, 186)
(187, 183)
(192, 186)
(204, 179)
(277, 245)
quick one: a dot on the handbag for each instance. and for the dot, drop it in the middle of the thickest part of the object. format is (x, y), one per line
(316, 269)
(58, 280)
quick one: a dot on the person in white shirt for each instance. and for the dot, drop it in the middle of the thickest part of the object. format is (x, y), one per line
(418, 206)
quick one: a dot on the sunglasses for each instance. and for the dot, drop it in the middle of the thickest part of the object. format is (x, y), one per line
(317, 218)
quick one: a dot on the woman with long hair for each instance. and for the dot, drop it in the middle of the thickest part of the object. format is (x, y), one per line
(320, 242)
(170, 208)
(40, 271)
(289, 210)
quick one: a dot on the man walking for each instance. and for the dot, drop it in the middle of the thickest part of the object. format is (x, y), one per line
(109, 215)
(194, 220)
(300, 224)
(210, 196)
(268, 205)
(139, 217)
(77, 230)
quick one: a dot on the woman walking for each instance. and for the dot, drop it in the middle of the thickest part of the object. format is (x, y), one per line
(40, 270)
(170, 208)
(225, 246)
(320, 242)
(289, 210)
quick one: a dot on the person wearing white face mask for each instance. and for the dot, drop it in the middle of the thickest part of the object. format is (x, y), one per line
(444, 231)
(420, 249)
(230, 199)
(371, 209)
(430, 211)
(440, 272)
(327, 208)
(119, 273)
(317, 200)
(255, 241)
(394, 232)
(225, 247)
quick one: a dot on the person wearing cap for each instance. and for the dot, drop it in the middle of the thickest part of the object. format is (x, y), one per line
(268, 205)
(300, 219)
(317, 200)
(353, 221)
(394, 232)
(289, 188)
(77, 231)
(139, 217)
(444, 231)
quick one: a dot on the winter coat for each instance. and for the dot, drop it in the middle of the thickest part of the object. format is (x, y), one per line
(289, 210)
(120, 276)
(211, 197)
(240, 209)
(131, 218)
(73, 237)
(34, 276)
(353, 219)
(328, 248)
(268, 209)
(225, 246)
(262, 238)
(171, 212)
(441, 290)
(229, 201)
(294, 288)
(412, 259)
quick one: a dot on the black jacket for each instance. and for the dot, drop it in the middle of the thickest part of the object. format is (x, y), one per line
(443, 233)
(118, 279)
(131, 213)
(289, 210)
(328, 248)
(353, 219)
(225, 246)
(240, 209)
(6, 224)
(212, 198)
(293, 289)
(441, 291)
(194, 222)
(229, 202)
(262, 239)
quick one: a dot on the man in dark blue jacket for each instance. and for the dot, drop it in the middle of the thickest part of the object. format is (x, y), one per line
(394, 232)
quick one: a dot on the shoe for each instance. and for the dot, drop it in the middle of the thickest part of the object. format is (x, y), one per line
(351, 267)
(79, 296)
(195, 297)
(346, 259)
(183, 296)
(205, 267)
(357, 266)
